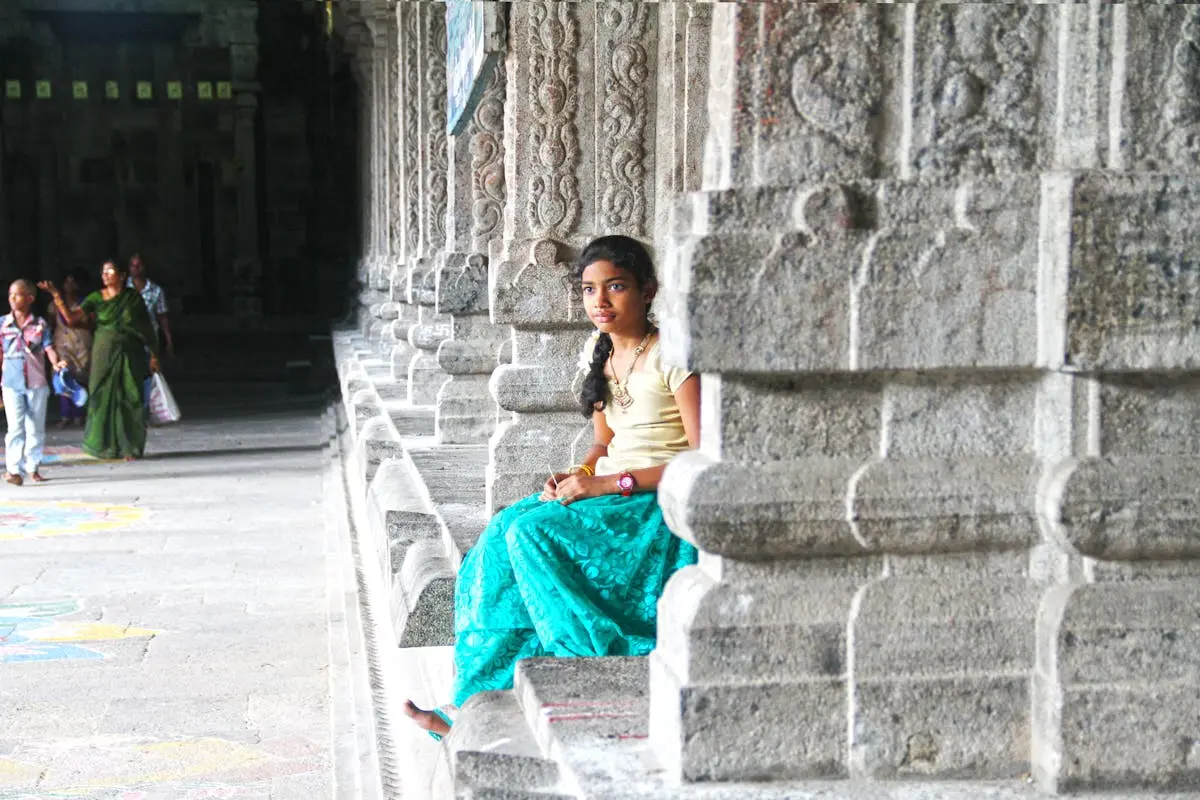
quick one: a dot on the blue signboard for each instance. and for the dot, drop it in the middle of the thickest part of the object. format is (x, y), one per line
(474, 40)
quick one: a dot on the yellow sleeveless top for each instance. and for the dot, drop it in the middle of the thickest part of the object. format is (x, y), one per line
(649, 432)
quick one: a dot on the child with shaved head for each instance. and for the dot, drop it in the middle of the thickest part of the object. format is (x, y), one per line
(26, 341)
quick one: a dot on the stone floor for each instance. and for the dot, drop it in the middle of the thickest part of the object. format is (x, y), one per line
(170, 629)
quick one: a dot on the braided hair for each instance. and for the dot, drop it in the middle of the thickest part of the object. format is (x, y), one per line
(631, 256)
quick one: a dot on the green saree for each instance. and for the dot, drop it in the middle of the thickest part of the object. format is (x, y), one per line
(116, 421)
(546, 579)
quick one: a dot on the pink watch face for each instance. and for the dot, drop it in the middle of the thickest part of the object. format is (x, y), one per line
(625, 483)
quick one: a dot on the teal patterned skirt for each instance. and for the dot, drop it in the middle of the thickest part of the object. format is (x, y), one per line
(546, 579)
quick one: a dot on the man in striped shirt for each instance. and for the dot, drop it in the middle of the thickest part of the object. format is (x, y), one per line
(155, 299)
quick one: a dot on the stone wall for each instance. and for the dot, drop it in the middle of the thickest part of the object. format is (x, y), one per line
(932, 261)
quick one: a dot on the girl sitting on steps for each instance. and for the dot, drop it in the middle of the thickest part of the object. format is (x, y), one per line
(577, 569)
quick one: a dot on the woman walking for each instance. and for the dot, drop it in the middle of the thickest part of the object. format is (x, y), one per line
(116, 421)
(74, 345)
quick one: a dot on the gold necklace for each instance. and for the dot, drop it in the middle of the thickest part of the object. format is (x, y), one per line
(621, 395)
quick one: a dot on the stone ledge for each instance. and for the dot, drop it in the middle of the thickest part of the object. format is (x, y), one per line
(405, 536)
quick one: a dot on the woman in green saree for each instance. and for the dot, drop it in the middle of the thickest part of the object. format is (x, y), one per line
(116, 421)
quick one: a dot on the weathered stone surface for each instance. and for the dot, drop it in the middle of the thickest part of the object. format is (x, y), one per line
(1132, 289)
(771, 645)
(941, 677)
(1154, 113)
(968, 57)
(1127, 509)
(423, 615)
(1114, 659)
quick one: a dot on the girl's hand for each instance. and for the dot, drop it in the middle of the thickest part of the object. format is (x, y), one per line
(154, 365)
(60, 365)
(579, 487)
(48, 286)
(551, 486)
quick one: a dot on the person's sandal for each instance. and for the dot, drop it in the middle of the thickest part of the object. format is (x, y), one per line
(15, 480)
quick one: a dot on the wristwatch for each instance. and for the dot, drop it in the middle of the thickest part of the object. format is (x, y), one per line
(626, 483)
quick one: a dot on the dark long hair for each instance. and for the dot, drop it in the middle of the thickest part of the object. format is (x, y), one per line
(631, 256)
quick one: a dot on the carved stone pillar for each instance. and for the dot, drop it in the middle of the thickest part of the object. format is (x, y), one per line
(360, 64)
(1117, 682)
(405, 185)
(377, 313)
(384, 49)
(383, 144)
(920, 474)
(466, 411)
(395, 170)
(578, 163)
(359, 39)
(425, 377)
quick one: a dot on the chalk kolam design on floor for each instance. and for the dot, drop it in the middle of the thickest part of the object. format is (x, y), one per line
(200, 792)
(33, 631)
(67, 454)
(35, 519)
(135, 768)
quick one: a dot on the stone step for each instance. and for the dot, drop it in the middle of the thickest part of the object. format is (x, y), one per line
(453, 474)
(410, 421)
(491, 752)
(567, 700)
(389, 390)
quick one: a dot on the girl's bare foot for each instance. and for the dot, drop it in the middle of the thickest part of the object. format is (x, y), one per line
(63, 424)
(129, 459)
(38, 477)
(427, 720)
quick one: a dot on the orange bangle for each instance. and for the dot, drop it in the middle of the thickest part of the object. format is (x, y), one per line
(584, 468)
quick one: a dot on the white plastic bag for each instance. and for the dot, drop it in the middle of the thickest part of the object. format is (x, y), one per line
(163, 408)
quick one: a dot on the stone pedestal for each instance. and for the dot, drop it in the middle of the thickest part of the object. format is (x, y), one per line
(425, 376)
(466, 411)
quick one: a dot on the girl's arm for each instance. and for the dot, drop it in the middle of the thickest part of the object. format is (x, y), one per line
(577, 487)
(55, 361)
(602, 435)
(75, 317)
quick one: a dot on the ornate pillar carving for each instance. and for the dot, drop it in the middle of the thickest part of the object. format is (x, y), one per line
(578, 163)
(466, 411)
(425, 377)
(406, 186)
(383, 48)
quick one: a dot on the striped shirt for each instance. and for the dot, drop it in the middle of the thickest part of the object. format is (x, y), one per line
(24, 352)
(154, 298)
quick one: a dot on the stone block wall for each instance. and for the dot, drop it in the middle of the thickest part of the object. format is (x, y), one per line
(933, 263)
(938, 493)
